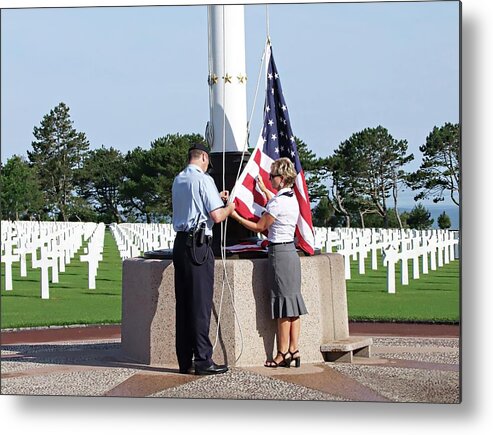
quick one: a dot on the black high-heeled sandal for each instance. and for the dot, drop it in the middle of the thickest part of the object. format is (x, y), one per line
(297, 360)
(286, 362)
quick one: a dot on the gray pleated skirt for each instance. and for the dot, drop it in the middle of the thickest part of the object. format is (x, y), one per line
(285, 282)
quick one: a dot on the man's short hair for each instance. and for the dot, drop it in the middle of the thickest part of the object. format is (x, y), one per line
(196, 150)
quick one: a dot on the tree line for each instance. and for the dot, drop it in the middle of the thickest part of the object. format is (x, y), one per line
(358, 185)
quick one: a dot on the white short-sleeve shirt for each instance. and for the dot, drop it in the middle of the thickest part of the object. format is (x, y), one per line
(284, 208)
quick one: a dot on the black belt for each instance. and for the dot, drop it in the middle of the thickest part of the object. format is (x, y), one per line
(280, 243)
(186, 233)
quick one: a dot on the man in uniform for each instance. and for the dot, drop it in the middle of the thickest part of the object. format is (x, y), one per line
(197, 206)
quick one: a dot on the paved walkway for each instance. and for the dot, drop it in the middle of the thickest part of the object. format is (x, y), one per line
(409, 363)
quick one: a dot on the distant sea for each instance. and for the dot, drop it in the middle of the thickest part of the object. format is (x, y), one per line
(437, 209)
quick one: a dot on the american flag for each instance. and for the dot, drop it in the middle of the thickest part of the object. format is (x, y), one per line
(275, 141)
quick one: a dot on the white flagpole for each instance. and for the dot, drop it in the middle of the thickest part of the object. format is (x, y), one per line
(227, 78)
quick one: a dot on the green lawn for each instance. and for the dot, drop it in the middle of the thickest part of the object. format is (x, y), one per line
(71, 301)
(434, 297)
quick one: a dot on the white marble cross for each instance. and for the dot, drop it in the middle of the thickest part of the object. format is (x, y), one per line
(92, 260)
(94, 255)
(404, 255)
(432, 247)
(53, 255)
(362, 250)
(446, 250)
(390, 257)
(374, 245)
(8, 258)
(22, 251)
(346, 252)
(44, 263)
(440, 249)
(416, 254)
(424, 251)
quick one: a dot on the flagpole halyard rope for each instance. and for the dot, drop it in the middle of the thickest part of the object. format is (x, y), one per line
(249, 122)
(245, 147)
(267, 19)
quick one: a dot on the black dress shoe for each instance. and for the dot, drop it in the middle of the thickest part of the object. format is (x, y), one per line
(186, 371)
(213, 369)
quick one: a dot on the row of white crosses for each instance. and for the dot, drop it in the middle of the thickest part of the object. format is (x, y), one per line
(133, 239)
(396, 246)
(56, 242)
(93, 253)
(437, 247)
(351, 243)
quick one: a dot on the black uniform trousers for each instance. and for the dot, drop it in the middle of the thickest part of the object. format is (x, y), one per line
(194, 288)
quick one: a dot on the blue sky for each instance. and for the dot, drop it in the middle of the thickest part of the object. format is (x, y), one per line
(133, 74)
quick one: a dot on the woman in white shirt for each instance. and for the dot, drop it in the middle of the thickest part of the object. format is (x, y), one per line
(280, 219)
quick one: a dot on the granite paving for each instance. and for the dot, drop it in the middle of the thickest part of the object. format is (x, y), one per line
(401, 369)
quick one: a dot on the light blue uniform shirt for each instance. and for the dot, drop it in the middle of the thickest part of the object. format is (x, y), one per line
(194, 196)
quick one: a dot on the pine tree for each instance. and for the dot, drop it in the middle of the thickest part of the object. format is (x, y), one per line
(323, 213)
(149, 175)
(420, 218)
(314, 169)
(439, 173)
(58, 153)
(20, 197)
(366, 170)
(101, 179)
(444, 221)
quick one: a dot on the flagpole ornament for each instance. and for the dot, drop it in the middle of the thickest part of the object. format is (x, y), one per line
(228, 107)
(213, 79)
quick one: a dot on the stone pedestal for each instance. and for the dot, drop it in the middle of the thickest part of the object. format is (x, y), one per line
(246, 334)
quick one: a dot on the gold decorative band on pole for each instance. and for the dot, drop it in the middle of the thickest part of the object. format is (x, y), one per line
(212, 79)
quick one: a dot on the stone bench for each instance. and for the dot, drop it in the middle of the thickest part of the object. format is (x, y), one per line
(344, 350)
(246, 335)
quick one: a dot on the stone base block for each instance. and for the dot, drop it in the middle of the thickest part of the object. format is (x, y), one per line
(241, 327)
(344, 350)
